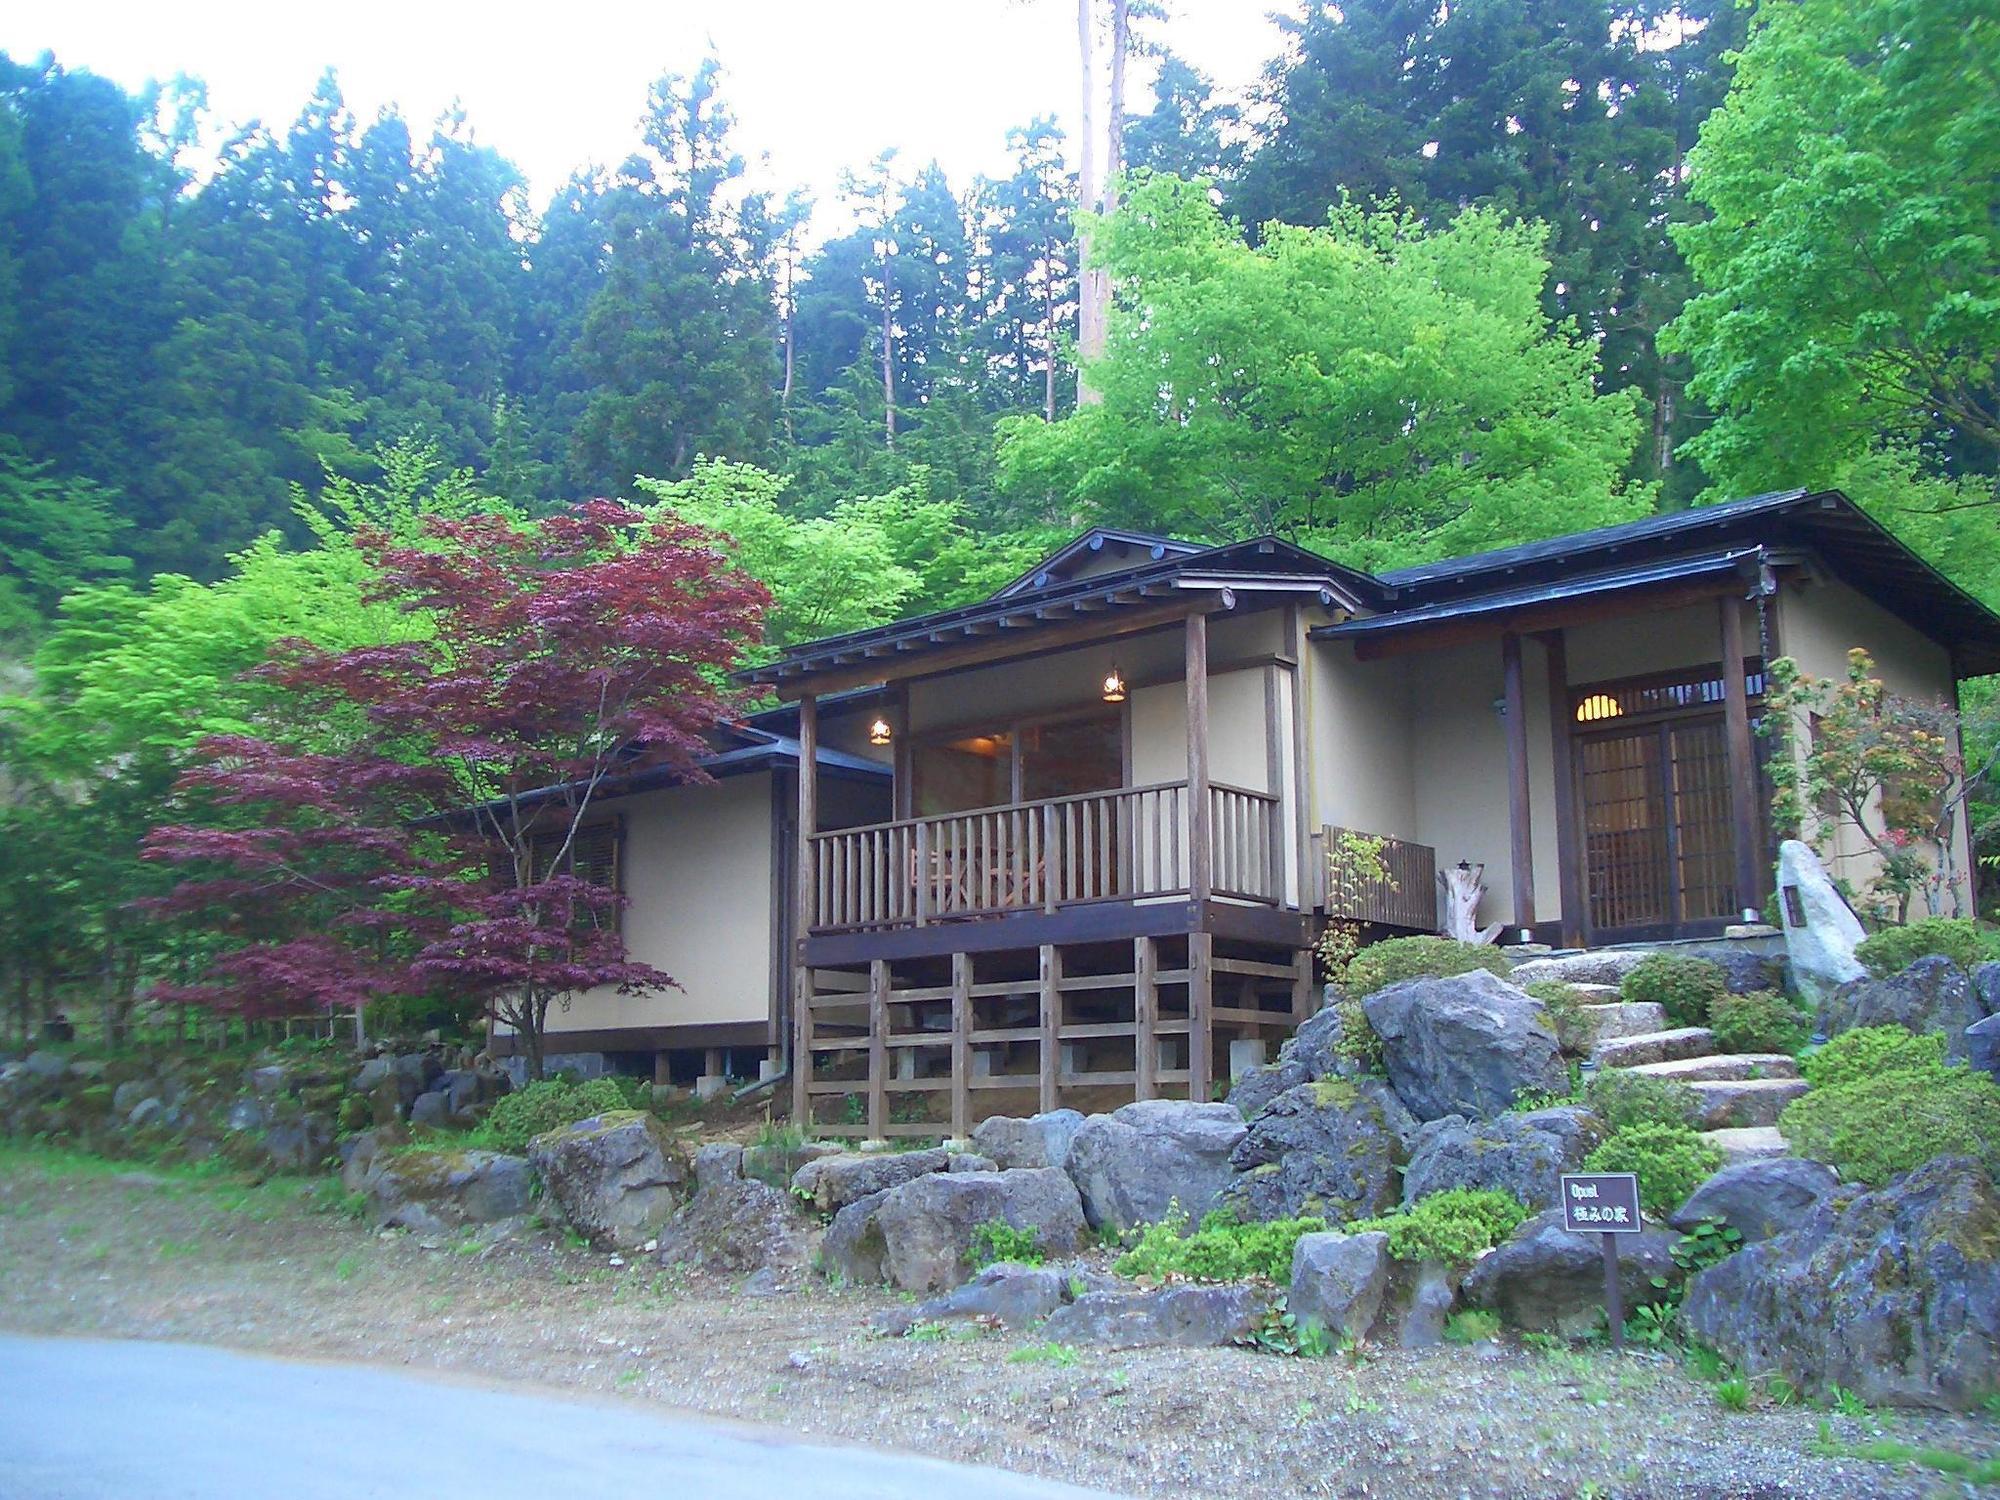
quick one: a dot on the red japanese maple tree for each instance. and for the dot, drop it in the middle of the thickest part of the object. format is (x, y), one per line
(411, 819)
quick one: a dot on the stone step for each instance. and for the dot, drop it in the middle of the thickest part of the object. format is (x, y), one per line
(1734, 1067)
(1653, 1046)
(1747, 1143)
(1631, 1018)
(1749, 1101)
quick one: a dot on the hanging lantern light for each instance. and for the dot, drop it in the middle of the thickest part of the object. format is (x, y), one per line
(1114, 686)
(879, 732)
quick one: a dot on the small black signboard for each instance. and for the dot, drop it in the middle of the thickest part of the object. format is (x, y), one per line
(1605, 1203)
(1601, 1203)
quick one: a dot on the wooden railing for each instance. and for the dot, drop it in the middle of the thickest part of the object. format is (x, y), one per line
(1119, 845)
(1407, 897)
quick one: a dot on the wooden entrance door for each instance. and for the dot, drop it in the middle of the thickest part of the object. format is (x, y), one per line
(1659, 848)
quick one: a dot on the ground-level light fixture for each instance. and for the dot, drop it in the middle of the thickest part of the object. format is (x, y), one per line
(879, 733)
(1114, 686)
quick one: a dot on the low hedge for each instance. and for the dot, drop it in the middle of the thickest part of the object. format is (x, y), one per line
(1393, 960)
(1869, 1052)
(1452, 1226)
(1872, 1128)
(1221, 1249)
(1686, 988)
(1671, 1161)
(1892, 950)
(1623, 1099)
(517, 1118)
(1759, 1022)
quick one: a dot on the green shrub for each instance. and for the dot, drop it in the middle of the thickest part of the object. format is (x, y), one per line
(519, 1117)
(1562, 1008)
(1686, 988)
(1872, 1129)
(1471, 1325)
(1622, 1099)
(1759, 1022)
(1894, 949)
(1452, 1226)
(997, 1240)
(1221, 1250)
(1382, 964)
(1869, 1052)
(1671, 1161)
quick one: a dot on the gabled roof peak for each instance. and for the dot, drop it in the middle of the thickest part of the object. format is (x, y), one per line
(1099, 545)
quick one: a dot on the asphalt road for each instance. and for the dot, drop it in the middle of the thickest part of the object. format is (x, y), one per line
(87, 1419)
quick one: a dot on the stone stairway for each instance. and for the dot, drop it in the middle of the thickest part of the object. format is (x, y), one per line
(1740, 1094)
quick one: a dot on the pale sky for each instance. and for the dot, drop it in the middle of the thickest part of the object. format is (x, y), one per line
(817, 85)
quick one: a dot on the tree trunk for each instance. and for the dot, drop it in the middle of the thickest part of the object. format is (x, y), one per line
(1049, 316)
(791, 309)
(1089, 310)
(888, 350)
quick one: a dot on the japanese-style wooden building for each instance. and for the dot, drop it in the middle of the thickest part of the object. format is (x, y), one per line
(1067, 844)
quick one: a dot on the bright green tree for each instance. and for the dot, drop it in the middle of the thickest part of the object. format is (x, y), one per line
(1849, 266)
(1384, 393)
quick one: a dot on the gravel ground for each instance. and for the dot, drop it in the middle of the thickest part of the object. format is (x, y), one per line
(95, 1248)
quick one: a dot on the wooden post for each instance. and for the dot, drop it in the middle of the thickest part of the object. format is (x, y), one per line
(802, 917)
(1569, 869)
(1201, 996)
(902, 782)
(878, 1048)
(1200, 842)
(1301, 782)
(1521, 832)
(1051, 1012)
(961, 1046)
(1742, 756)
(1145, 1014)
(1302, 983)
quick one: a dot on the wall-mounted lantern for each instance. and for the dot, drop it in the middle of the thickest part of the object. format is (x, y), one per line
(879, 732)
(1114, 686)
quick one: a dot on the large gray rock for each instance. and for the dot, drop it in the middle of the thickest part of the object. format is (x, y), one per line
(1132, 1165)
(1932, 994)
(1982, 1042)
(832, 1182)
(1329, 1149)
(1183, 1316)
(1339, 1281)
(1524, 1154)
(1821, 932)
(1042, 1140)
(616, 1177)
(735, 1224)
(303, 1141)
(852, 1250)
(1758, 1198)
(927, 1224)
(433, 1190)
(1552, 1281)
(1011, 1295)
(1467, 1045)
(1893, 1294)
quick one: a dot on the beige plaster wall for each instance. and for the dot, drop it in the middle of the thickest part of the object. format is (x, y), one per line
(697, 870)
(1819, 621)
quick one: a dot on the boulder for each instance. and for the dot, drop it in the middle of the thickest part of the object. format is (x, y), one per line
(778, 1164)
(414, 1073)
(1550, 1280)
(1329, 1149)
(927, 1224)
(736, 1225)
(1892, 1294)
(616, 1177)
(1524, 1154)
(1932, 994)
(432, 1111)
(1758, 1198)
(1183, 1316)
(125, 1098)
(1422, 1296)
(1339, 1281)
(299, 1143)
(247, 1115)
(830, 1183)
(433, 1190)
(1982, 1042)
(852, 1250)
(1133, 1164)
(274, 1079)
(1467, 1045)
(1821, 931)
(148, 1111)
(359, 1153)
(45, 1066)
(372, 1073)
(1010, 1295)
(1042, 1140)
(468, 1091)
(1606, 966)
